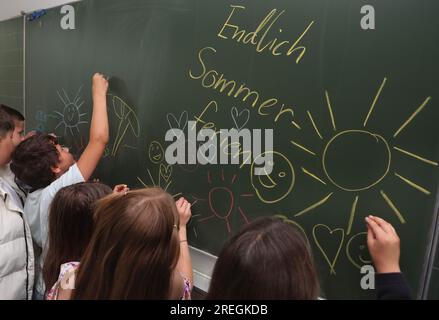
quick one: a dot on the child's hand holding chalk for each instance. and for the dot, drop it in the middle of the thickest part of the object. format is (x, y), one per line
(121, 188)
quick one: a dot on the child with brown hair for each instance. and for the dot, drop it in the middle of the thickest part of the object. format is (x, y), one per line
(71, 225)
(138, 250)
(43, 165)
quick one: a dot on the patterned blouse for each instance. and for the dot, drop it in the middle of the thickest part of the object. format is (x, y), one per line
(70, 269)
(66, 268)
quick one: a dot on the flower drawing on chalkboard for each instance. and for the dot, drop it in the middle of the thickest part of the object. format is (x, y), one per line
(365, 157)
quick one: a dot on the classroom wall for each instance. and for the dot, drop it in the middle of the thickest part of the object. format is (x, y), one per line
(12, 8)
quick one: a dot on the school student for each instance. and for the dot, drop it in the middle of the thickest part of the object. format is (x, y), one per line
(138, 250)
(17, 137)
(16, 252)
(70, 228)
(269, 259)
(42, 164)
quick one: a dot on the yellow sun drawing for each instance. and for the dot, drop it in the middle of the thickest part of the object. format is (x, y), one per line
(70, 117)
(347, 147)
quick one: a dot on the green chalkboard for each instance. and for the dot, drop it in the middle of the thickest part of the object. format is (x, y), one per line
(11, 63)
(354, 113)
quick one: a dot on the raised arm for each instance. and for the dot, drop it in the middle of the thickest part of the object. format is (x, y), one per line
(99, 129)
(184, 265)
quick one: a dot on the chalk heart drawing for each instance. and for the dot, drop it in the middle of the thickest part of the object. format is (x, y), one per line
(356, 250)
(337, 234)
(240, 118)
(181, 123)
(165, 172)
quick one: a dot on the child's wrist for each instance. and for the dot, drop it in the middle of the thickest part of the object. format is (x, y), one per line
(388, 269)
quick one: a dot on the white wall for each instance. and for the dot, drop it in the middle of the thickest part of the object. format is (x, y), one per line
(12, 8)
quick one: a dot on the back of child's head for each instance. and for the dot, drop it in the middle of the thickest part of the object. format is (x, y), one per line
(6, 123)
(33, 160)
(134, 249)
(6, 137)
(268, 259)
(14, 114)
(71, 225)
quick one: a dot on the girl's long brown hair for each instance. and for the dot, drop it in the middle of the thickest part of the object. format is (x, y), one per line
(134, 249)
(268, 259)
(70, 226)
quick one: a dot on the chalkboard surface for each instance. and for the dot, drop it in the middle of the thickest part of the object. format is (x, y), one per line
(11, 63)
(354, 113)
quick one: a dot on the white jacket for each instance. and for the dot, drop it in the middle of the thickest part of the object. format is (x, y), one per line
(16, 250)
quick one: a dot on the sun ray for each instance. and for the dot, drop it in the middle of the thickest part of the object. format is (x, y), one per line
(351, 217)
(314, 125)
(59, 124)
(414, 185)
(143, 183)
(243, 215)
(150, 176)
(59, 113)
(374, 101)
(208, 177)
(302, 147)
(79, 91)
(328, 102)
(315, 205)
(177, 194)
(222, 175)
(233, 179)
(247, 195)
(195, 232)
(81, 104)
(416, 156)
(296, 125)
(313, 176)
(67, 96)
(61, 98)
(206, 218)
(82, 114)
(82, 122)
(412, 116)
(392, 206)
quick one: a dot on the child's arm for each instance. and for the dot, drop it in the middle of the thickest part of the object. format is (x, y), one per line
(383, 244)
(384, 247)
(99, 132)
(184, 265)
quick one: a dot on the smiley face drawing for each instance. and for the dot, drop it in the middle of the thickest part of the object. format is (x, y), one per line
(273, 187)
(71, 115)
(155, 152)
(356, 250)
